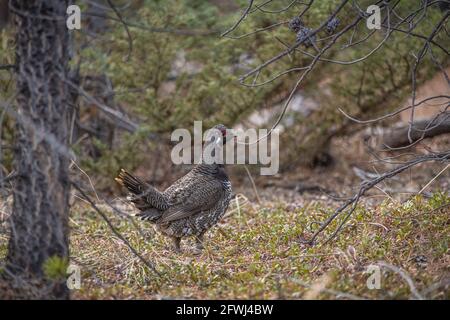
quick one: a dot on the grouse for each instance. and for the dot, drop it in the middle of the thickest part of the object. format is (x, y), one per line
(192, 204)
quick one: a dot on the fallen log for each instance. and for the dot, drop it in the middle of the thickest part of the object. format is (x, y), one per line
(423, 129)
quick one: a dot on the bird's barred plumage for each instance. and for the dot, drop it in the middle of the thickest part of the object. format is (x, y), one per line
(189, 207)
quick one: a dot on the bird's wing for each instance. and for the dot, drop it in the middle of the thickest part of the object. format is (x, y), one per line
(192, 198)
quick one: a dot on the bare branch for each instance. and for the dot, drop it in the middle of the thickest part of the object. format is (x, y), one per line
(243, 16)
(392, 113)
(150, 265)
(297, 44)
(130, 40)
(405, 276)
(7, 66)
(367, 185)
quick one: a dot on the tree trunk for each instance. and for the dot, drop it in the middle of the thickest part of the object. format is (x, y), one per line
(4, 13)
(38, 247)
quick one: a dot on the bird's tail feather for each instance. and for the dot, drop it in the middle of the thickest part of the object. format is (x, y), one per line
(151, 215)
(133, 184)
(143, 195)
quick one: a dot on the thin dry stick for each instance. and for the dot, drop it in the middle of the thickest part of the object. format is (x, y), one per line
(329, 291)
(308, 69)
(114, 230)
(241, 204)
(350, 205)
(7, 66)
(431, 181)
(253, 184)
(130, 40)
(237, 206)
(395, 112)
(89, 179)
(405, 276)
(243, 16)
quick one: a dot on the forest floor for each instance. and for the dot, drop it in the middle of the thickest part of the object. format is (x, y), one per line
(257, 250)
(257, 253)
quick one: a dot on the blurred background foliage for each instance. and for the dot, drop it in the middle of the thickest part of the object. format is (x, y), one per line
(181, 70)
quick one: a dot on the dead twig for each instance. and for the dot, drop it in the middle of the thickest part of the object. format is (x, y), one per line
(130, 39)
(114, 230)
(243, 16)
(369, 184)
(255, 190)
(405, 277)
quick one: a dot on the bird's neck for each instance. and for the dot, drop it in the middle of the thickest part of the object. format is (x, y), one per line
(210, 164)
(209, 168)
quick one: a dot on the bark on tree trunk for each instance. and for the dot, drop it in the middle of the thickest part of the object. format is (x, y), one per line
(4, 13)
(38, 248)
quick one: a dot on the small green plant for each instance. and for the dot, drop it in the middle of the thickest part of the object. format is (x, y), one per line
(55, 267)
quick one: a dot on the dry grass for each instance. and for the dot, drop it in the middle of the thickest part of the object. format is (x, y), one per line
(256, 253)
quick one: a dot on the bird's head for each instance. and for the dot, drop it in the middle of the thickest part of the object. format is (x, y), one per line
(219, 134)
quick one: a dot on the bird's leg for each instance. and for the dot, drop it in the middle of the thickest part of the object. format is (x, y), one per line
(176, 244)
(199, 241)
